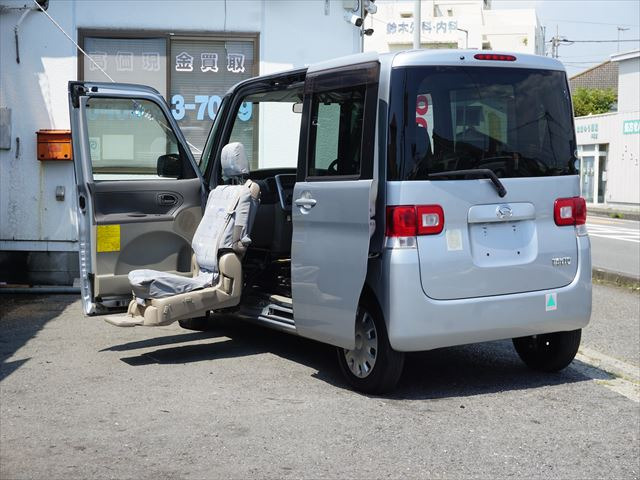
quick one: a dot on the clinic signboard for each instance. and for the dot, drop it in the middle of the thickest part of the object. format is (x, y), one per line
(631, 127)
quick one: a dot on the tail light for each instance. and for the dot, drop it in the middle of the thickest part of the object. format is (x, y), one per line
(413, 220)
(494, 56)
(570, 211)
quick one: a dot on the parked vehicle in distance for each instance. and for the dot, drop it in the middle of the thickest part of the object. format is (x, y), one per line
(407, 201)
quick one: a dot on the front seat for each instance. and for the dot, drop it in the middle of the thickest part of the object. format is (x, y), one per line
(219, 243)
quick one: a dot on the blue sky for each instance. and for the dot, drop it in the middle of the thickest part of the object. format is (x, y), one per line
(585, 20)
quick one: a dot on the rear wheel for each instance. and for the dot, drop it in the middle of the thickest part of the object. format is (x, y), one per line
(548, 352)
(372, 366)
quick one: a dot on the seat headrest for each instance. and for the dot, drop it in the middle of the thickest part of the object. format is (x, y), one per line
(234, 160)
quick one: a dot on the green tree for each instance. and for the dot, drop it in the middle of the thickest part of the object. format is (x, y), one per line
(593, 101)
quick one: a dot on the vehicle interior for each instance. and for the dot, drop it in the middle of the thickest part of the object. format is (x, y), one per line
(271, 138)
(273, 162)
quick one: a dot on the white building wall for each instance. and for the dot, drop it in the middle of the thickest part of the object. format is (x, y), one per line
(514, 30)
(629, 84)
(291, 34)
(35, 90)
(623, 169)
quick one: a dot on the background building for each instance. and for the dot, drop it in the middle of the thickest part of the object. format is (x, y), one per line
(454, 24)
(602, 76)
(609, 144)
(191, 51)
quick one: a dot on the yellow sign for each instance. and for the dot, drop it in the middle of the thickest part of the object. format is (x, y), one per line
(108, 238)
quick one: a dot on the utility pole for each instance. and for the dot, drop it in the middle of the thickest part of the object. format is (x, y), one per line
(466, 36)
(417, 22)
(621, 29)
(554, 44)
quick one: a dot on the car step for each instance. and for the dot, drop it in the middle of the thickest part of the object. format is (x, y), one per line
(278, 309)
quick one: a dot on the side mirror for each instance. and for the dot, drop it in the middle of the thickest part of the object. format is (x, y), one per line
(169, 165)
(297, 107)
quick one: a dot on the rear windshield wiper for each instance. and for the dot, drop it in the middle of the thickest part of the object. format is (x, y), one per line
(478, 172)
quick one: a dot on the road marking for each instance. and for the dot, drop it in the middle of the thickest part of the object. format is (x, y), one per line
(625, 376)
(613, 232)
(614, 238)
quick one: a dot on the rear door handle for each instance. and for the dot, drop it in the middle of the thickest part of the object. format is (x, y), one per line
(167, 199)
(305, 202)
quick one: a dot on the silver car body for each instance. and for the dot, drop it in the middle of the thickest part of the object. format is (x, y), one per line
(433, 296)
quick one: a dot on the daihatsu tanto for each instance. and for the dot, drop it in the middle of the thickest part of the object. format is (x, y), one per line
(380, 203)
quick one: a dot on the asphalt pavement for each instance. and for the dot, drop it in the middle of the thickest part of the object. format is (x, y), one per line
(83, 399)
(615, 244)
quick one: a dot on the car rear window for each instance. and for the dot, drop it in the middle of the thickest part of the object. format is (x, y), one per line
(515, 122)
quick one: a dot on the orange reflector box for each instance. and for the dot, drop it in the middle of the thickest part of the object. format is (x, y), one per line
(54, 145)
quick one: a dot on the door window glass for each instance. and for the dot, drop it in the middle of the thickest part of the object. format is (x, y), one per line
(132, 139)
(335, 136)
(327, 124)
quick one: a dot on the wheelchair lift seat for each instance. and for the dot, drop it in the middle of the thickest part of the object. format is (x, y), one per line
(219, 243)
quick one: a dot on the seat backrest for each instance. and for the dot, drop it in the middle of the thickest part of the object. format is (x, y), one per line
(229, 214)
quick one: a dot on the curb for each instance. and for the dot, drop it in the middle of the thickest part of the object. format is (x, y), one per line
(617, 278)
(624, 215)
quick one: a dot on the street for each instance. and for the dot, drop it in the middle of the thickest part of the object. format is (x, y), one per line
(83, 399)
(615, 244)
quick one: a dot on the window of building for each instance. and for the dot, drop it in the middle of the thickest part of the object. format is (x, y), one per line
(192, 72)
(593, 172)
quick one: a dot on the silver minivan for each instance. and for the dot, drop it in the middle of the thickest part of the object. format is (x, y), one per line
(407, 201)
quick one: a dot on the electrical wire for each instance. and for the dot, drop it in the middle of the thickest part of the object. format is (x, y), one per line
(73, 41)
(592, 23)
(602, 41)
(92, 60)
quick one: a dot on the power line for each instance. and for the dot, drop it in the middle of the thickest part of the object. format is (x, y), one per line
(581, 63)
(601, 41)
(593, 23)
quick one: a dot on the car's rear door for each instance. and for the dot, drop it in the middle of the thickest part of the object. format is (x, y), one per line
(333, 201)
(510, 118)
(139, 190)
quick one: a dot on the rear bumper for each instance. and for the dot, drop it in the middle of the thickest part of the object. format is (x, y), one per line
(416, 322)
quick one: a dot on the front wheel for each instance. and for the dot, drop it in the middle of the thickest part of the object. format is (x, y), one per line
(548, 352)
(372, 366)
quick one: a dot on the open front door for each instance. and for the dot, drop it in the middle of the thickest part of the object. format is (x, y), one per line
(333, 202)
(139, 191)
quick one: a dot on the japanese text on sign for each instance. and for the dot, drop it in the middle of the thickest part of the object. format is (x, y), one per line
(427, 27)
(209, 62)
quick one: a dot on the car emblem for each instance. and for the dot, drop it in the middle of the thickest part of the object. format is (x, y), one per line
(560, 261)
(504, 211)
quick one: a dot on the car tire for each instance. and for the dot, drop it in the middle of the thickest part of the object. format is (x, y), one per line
(548, 352)
(373, 366)
(199, 324)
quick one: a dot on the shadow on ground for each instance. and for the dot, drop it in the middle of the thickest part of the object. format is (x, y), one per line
(21, 317)
(448, 372)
